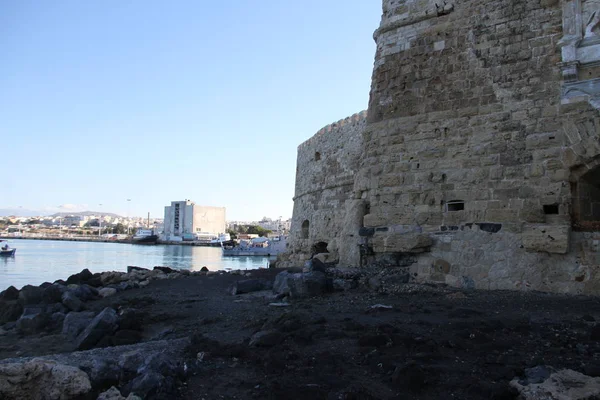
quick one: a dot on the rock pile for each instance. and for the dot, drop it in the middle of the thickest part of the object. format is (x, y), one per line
(60, 307)
(40, 379)
(544, 383)
(142, 371)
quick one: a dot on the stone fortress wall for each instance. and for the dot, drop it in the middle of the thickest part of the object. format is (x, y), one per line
(479, 162)
(326, 165)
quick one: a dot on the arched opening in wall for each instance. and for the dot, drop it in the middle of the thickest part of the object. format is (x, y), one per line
(586, 201)
(317, 156)
(305, 226)
(319, 247)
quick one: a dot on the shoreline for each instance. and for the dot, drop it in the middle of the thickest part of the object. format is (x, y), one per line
(101, 240)
(321, 333)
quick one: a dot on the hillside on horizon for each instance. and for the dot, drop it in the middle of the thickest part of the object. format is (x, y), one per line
(85, 214)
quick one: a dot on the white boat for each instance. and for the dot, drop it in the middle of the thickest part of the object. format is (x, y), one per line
(261, 248)
(219, 240)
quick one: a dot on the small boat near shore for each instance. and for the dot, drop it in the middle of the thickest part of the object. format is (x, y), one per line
(7, 251)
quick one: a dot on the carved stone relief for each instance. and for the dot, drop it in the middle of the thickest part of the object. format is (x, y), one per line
(580, 47)
(591, 18)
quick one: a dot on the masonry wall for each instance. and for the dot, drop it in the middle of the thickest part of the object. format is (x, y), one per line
(474, 169)
(465, 109)
(326, 165)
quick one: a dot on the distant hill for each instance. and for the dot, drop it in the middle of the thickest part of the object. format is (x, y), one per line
(8, 212)
(85, 214)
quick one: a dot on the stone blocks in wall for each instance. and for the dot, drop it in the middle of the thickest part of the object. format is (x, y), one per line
(401, 242)
(466, 141)
(547, 238)
(373, 220)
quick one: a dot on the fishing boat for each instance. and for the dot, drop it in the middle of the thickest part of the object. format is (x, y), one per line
(7, 251)
(145, 236)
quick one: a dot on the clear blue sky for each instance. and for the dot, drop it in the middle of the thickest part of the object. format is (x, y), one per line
(155, 101)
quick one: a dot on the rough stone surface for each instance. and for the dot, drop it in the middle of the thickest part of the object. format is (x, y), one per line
(104, 324)
(323, 258)
(268, 338)
(84, 292)
(482, 131)
(82, 277)
(343, 284)
(105, 292)
(11, 293)
(551, 239)
(401, 243)
(561, 385)
(10, 311)
(307, 284)
(33, 320)
(329, 167)
(250, 285)
(301, 284)
(314, 265)
(75, 322)
(111, 277)
(280, 286)
(112, 366)
(72, 302)
(39, 379)
(30, 295)
(165, 270)
(111, 394)
(53, 294)
(147, 384)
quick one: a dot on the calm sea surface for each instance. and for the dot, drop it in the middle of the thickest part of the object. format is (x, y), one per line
(39, 261)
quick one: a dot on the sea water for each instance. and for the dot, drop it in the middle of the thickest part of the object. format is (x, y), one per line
(39, 261)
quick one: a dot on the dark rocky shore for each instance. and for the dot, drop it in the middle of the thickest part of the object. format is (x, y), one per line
(324, 333)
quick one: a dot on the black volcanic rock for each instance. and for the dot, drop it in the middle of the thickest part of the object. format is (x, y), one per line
(81, 277)
(30, 295)
(11, 293)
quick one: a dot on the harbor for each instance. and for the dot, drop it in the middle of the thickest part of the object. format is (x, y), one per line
(38, 261)
(95, 239)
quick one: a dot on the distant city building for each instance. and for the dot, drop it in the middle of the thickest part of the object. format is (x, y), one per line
(71, 220)
(277, 226)
(184, 220)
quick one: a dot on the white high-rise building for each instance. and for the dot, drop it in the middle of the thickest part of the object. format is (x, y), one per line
(184, 220)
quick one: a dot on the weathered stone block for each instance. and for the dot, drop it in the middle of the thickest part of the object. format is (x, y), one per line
(441, 266)
(373, 220)
(104, 324)
(501, 215)
(39, 379)
(547, 238)
(401, 243)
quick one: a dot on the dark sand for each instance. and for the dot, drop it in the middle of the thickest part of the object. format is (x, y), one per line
(434, 343)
